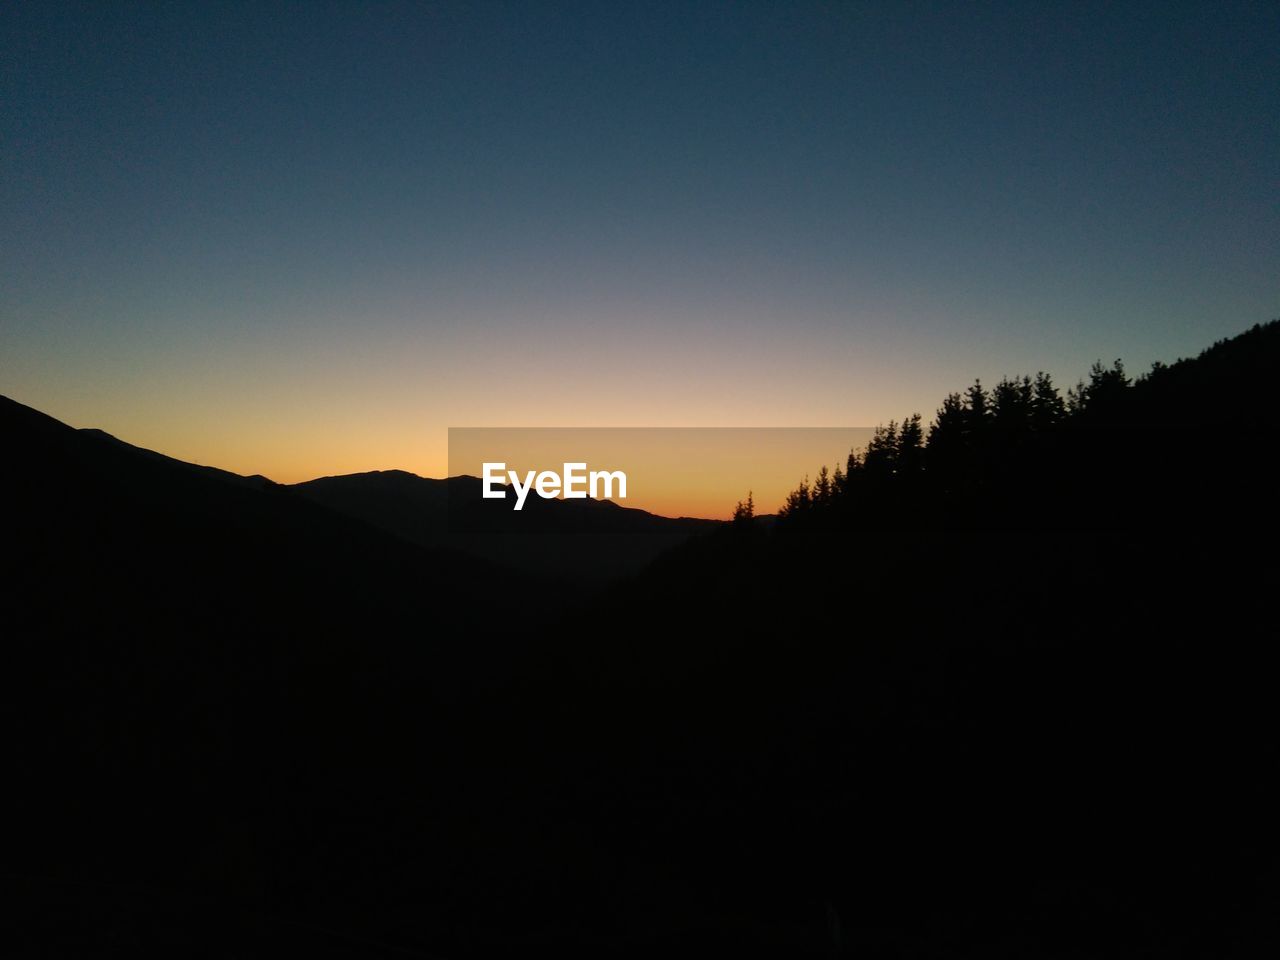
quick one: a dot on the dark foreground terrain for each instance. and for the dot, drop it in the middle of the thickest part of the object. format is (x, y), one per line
(1003, 692)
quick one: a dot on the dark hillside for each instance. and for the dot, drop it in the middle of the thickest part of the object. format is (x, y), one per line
(998, 690)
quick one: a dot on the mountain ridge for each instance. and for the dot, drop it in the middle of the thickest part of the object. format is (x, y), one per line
(547, 538)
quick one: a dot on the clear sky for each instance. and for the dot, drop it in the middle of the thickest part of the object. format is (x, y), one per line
(304, 239)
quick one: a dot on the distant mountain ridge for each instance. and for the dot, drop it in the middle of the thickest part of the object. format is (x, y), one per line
(413, 509)
(106, 538)
(582, 538)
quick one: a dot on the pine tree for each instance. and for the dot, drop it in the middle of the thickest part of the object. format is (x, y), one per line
(822, 488)
(976, 411)
(1103, 393)
(945, 446)
(798, 501)
(1011, 402)
(948, 422)
(853, 465)
(882, 451)
(909, 455)
(1047, 406)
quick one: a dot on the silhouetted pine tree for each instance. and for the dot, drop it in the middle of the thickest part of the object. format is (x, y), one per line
(1102, 395)
(1011, 403)
(976, 413)
(1047, 406)
(944, 450)
(838, 483)
(822, 488)
(881, 457)
(909, 456)
(799, 501)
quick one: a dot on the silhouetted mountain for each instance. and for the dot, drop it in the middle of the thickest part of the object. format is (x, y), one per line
(583, 539)
(1005, 696)
(204, 668)
(150, 536)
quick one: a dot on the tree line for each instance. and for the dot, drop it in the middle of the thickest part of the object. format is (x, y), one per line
(974, 435)
(984, 439)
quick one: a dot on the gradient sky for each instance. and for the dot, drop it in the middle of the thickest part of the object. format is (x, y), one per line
(672, 471)
(304, 239)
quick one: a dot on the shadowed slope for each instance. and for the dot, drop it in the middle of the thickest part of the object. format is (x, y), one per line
(1029, 714)
(146, 535)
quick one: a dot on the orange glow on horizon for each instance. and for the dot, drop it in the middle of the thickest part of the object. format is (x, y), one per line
(692, 471)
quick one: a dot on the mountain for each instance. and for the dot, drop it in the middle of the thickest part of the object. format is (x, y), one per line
(583, 539)
(138, 500)
(216, 690)
(1015, 700)
(1022, 708)
(101, 532)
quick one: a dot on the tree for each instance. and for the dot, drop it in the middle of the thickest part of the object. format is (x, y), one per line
(1011, 402)
(799, 500)
(909, 456)
(822, 488)
(745, 511)
(945, 446)
(882, 451)
(948, 422)
(853, 465)
(839, 483)
(1047, 406)
(976, 411)
(1102, 394)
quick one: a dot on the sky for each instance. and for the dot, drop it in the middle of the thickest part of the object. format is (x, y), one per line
(306, 239)
(670, 471)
